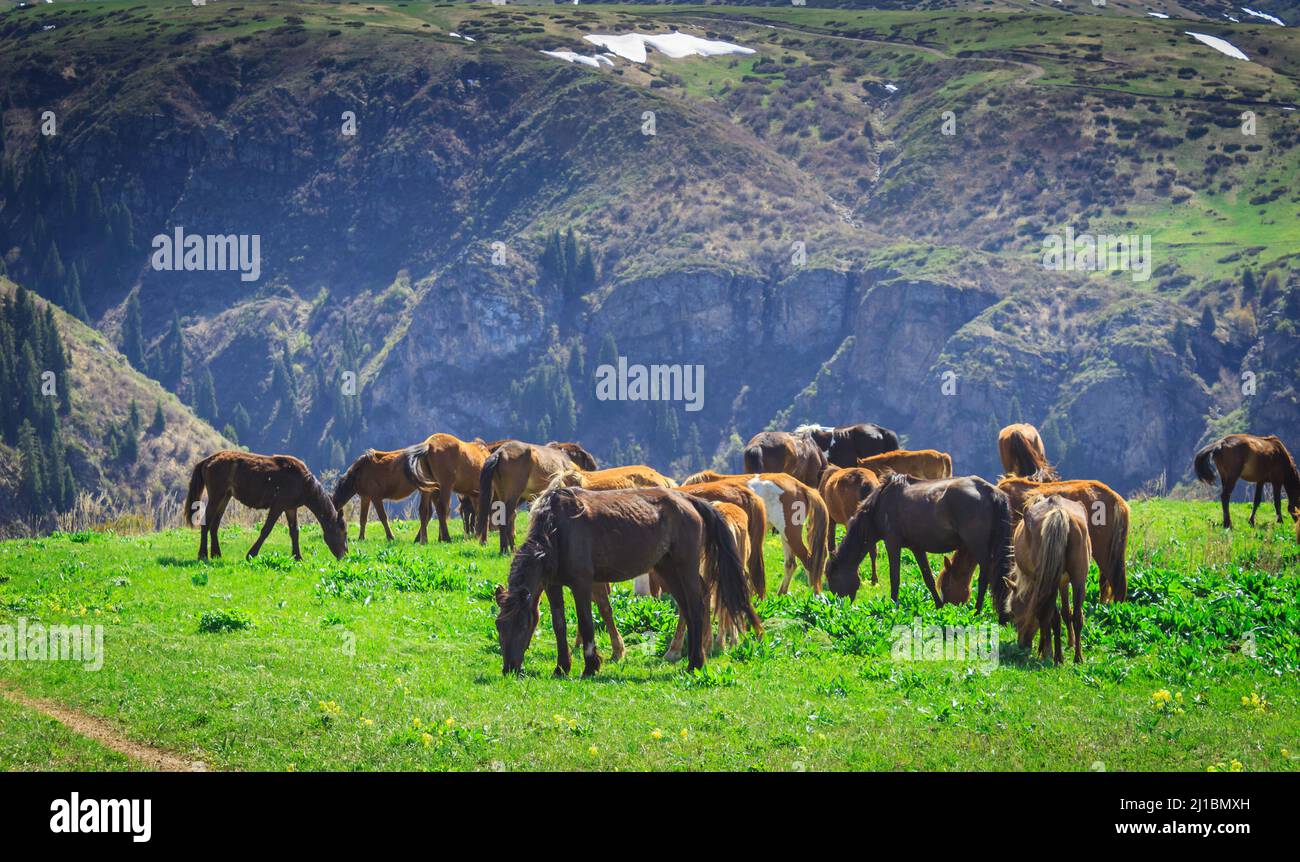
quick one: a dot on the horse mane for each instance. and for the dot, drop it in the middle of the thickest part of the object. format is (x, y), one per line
(810, 427)
(566, 478)
(347, 485)
(319, 502)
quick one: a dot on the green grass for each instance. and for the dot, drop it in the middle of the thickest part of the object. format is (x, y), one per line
(388, 661)
(32, 741)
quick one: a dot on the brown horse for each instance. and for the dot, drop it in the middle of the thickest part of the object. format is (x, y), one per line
(454, 466)
(728, 629)
(847, 443)
(579, 538)
(790, 504)
(844, 490)
(514, 473)
(615, 478)
(920, 463)
(928, 516)
(783, 452)
(1108, 522)
(277, 483)
(1051, 551)
(1262, 460)
(1022, 453)
(578, 455)
(751, 504)
(379, 476)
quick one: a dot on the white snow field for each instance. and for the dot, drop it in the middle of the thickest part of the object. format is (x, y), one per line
(1223, 46)
(632, 46)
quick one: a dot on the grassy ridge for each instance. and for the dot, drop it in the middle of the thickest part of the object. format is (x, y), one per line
(389, 661)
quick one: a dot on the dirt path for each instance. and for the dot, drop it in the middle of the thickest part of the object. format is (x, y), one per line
(104, 733)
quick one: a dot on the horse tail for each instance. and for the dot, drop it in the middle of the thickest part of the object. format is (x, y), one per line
(413, 467)
(754, 459)
(346, 488)
(195, 490)
(1000, 547)
(818, 521)
(484, 509)
(1118, 547)
(724, 568)
(1205, 462)
(1024, 460)
(946, 459)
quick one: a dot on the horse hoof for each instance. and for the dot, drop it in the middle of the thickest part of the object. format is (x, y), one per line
(560, 672)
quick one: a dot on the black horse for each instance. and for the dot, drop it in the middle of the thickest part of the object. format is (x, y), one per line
(846, 444)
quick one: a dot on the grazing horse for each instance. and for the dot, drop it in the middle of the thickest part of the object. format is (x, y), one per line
(846, 444)
(580, 456)
(1108, 522)
(277, 483)
(614, 478)
(928, 516)
(514, 473)
(379, 476)
(783, 452)
(1021, 449)
(921, 463)
(1052, 551)
(578, 538)
(844, 490)
(728, 629)
(790, 504)
(1262, 460)
(454, 466)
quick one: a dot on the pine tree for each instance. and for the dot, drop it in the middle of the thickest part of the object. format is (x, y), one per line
(159, 422)
(132, 338)
(205, 396)
(171, 355)
(32, 488)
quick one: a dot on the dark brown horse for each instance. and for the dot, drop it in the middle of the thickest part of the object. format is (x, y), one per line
(578, 455)
(929, 516)
(379, 476)
(578, 538)
(1021, 449)
(1262, 460)
(277, 483)
(514, 473)
(783, 452)
(847, 443)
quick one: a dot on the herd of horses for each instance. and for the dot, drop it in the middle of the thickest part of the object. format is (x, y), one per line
(1031, 535)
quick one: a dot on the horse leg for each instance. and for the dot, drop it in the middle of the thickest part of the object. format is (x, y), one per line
(1076, 620)
(600, 592)
(215, 514)
(1224, 496)
(1056, 635)
(383, 517)
(442, 502)
(203, 539)
(506, 533)
(1259, 495)
(675, 648)
(872, 552)
(1277, 501)
(789, 565)
(563, 662)
(271, 516)
(426, 512)
(291, 518)
(986, 572)
(923, 561)
(586, 627)
(895, 553)
(365, 512)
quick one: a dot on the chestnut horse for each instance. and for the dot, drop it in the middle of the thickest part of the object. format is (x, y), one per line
(844, 490)
(790, 504)
(1108, 522)
(578, 538)
(514, 473)
(929, 516)
(783, 452)
(847, 443)
(379, 476)
(455, 466)
(614, 478)
(1021, 449)
(1051, 551)
(920, 463)
(728, 629)
(740, 496)
(1262, 460)
(277, 483)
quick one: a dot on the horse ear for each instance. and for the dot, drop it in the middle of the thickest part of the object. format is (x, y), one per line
(947, 562)
(501, 595)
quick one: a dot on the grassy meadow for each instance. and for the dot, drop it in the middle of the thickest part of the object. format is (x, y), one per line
(388, 661)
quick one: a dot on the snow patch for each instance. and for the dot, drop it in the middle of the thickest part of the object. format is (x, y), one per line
(1157, 14)
(1267, 17)
(572, 57)
(1223, 46)
(466, 38)
(632, 46)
